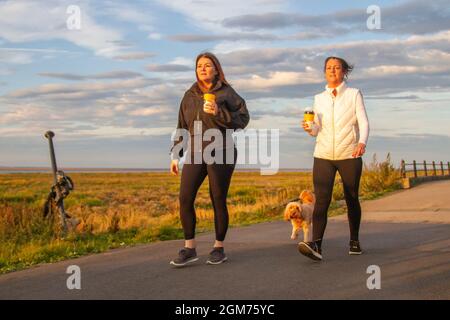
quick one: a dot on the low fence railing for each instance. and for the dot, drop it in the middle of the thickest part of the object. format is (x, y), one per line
(428, 169)
(418, 172)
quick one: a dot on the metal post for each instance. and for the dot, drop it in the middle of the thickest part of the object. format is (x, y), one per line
(49, 135)
(415, 168)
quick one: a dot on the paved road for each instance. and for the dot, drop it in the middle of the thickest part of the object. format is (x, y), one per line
(412, 252)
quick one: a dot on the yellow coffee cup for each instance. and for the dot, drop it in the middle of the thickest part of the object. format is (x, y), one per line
(209, 97)
(308, 116)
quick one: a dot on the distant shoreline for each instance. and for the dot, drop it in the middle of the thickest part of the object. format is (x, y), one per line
(6, 170)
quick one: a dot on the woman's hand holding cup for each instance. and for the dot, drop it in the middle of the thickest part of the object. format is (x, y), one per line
(306, 126)
(210, 105)
(308, 120)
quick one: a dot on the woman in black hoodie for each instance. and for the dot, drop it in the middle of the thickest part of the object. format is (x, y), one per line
(225, 112)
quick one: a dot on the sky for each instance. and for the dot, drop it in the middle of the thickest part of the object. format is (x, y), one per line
(108, 76)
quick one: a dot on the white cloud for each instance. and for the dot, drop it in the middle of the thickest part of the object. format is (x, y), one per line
(184, 61)
(408, 17)
(381, 66)
(387, 70)
(26, 21)
(108, 109)
(229, 47)
(135, 56)
(170, 68)
(209, 14)
(276, 79)
(77, 91)
(115, 132)
(155, 36)
(138, 14)
(20, 114)
(147, 111)
(12, 57)
(119, 74)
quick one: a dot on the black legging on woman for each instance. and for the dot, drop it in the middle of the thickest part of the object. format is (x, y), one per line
(324, 172)
(192, 177)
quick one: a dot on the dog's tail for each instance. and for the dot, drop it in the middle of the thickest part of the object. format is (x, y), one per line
(307, 196)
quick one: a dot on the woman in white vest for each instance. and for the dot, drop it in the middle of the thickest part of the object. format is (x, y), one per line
(341, 129)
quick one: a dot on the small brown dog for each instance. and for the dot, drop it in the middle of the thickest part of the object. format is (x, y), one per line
(300, 215)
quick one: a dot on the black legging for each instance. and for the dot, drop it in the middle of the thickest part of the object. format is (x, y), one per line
(192, 177)
(324, 172)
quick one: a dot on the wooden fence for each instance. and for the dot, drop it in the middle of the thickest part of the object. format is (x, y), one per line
(423, 171)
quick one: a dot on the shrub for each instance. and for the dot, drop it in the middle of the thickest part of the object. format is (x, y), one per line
(378, 177)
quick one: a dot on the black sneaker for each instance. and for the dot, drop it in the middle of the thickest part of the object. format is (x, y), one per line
(185, 256)
(216, 256)
(311, 250)
(355, 248)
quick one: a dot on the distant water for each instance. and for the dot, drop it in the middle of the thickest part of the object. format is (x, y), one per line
(78, 170)
(5, 170)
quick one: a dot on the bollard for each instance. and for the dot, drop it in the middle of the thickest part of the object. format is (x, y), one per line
(403, 169)
(415, 168)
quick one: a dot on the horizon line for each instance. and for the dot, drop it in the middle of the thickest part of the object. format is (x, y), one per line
(30, 168)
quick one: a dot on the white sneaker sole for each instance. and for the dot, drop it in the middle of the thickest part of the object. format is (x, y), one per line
(306, 250)
(219, 262)
(354, 253)
(183, 264)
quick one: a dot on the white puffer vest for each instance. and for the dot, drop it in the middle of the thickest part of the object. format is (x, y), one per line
(336, 125)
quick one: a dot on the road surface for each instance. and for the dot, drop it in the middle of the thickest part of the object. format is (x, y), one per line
(406, 234)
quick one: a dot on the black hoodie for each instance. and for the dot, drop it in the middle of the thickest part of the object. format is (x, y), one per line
(232, 113)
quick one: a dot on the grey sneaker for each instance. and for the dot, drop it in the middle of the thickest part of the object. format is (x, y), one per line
(311, 250)
(216, 256)
(185, 256)
(355, 248)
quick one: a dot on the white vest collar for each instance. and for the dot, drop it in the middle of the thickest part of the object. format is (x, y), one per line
(340, 89)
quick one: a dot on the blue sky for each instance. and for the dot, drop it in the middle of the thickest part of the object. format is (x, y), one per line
(111, 90)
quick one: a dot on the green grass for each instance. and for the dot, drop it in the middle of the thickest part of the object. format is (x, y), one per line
(125, 209)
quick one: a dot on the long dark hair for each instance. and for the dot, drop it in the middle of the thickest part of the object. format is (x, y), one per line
(220, 75)
(346, 67)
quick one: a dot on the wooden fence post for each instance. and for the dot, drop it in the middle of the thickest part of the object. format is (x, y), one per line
(403, 169)
(442, 168)
(415, 168)
(434, 168)
(425, 167)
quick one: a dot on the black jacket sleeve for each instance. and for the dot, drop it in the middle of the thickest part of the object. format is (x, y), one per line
(179, 138)
(235, 114)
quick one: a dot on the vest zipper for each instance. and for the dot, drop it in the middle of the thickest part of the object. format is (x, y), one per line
(333, 127)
